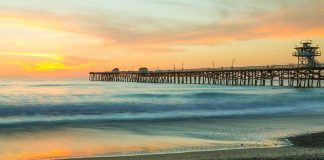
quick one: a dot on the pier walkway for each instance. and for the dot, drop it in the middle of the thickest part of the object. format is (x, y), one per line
(275, 75)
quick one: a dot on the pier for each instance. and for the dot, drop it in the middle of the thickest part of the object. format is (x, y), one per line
(283, 75)
(307, 73)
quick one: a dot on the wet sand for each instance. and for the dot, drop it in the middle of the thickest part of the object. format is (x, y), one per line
(306, 147)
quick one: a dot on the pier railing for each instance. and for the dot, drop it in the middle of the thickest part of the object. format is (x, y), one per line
(246, 68)
(273, 75)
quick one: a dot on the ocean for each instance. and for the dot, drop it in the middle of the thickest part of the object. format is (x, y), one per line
(46, 119)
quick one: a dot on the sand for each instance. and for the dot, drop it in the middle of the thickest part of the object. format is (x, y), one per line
(306, 147)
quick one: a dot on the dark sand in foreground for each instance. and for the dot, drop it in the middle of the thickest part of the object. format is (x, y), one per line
(306, 147)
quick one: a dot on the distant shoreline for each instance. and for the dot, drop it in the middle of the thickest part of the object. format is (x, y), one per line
(306, 147)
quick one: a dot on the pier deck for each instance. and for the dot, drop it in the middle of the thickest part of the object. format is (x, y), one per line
(276, 75)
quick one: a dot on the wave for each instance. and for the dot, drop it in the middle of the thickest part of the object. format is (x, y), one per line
(211, 105)
(140, 117)
(145, 95)
(59, 85)
(215, 94)
(164, 102)
(193, 95)
(73, 102)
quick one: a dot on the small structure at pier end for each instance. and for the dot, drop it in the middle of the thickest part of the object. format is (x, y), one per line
(143, 70)
(307, 73)
(115, 70)
(306, 54)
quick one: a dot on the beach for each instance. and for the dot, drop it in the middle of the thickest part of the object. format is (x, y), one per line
(306, 147)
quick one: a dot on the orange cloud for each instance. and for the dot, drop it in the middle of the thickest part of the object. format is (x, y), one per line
(47, 66)
(51, 62)
(279, 23)
(52, 56)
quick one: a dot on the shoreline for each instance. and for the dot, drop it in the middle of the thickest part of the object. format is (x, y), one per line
(305, 147)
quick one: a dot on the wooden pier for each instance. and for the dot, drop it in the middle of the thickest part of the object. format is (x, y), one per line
(278, 75)
(307, 73)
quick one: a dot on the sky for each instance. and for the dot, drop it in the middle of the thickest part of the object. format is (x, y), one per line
(68, 39)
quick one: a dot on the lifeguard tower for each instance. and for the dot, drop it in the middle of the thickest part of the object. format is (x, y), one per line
(306, 54)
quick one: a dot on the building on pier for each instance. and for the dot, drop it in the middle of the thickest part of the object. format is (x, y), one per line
(115, 70)
(306, 53)
(143, 70)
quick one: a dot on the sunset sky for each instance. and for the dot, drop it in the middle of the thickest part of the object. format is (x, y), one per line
(69, 38)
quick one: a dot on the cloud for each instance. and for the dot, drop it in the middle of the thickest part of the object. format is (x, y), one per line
(280, 22)
(131, 31)
(49, 61)
(46, 66)
(52, 56)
